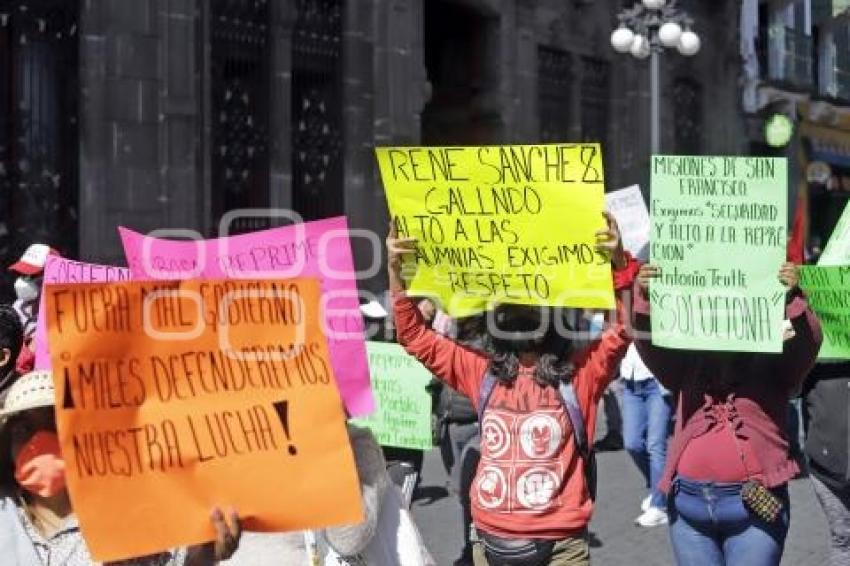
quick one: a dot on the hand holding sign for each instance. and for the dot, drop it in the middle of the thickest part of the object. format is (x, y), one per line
(789, 275)
(397, 249)
(609, 243)
(228, 533)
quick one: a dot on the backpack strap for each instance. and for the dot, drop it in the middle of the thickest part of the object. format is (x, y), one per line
(570, 402)
(484, 393)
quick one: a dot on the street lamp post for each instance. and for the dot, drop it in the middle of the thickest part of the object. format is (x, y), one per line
(644, 31)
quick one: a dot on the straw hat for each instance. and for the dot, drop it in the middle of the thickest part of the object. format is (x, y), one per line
(31, 391)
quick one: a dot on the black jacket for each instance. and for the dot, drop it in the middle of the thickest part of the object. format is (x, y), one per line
(827, 395)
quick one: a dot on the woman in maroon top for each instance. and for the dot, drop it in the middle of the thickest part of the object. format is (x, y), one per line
(729, 444)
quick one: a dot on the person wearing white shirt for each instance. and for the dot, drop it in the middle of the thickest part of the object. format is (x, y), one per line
(647, 409)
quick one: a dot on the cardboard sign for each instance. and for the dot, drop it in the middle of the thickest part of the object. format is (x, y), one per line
(837, 250)
(828, 292)
(60, 270)
(632, 216)
(719, 236)
(509, 224)
(312, 249)
(175, 397)
(403, 415)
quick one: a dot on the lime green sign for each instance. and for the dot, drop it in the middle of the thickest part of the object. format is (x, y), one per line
(403, 415)
(828, 293)
(719, 236)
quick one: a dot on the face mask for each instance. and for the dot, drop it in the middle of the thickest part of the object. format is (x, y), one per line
(26, 289)
(39, 467)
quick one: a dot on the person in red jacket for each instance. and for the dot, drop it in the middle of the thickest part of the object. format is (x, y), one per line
(531, 501)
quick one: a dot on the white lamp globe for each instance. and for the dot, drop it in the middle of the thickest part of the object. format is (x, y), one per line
(621, 39)
(669, 34)
(640, 47)
(654, 4)
(689, 43)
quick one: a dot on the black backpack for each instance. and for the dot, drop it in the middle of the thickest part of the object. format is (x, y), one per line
(454, 407)
(568, 398)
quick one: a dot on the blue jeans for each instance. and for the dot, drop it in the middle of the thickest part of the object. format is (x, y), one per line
(646, 421)
(709, 526)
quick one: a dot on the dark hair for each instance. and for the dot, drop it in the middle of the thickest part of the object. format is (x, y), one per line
(11, 332)
(554, 364)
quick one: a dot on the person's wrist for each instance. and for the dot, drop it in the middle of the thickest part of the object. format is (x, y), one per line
(618, 260)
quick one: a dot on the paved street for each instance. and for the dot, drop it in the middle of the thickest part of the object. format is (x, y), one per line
(615, 540)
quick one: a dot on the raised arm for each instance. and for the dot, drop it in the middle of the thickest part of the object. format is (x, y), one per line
(458, 366)
(800, 351)
(601, 359)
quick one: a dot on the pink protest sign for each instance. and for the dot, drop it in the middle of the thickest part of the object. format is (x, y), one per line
(61, 270)
(313, 249)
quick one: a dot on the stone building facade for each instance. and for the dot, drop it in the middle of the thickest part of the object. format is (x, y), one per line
(180, 110)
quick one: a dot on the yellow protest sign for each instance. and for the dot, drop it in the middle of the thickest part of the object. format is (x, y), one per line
(511, 224)
(174, 397)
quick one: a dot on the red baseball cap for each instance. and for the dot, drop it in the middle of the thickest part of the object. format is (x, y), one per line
(33, 260)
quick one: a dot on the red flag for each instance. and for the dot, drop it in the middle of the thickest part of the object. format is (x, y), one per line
(796, 253)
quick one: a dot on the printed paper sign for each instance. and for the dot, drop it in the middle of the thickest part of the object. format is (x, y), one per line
(509, 224)
(629, 209)
(719, 236)
(312, 249)
(828, 292)
(175, 397)
(837, 250)
(403, 414)
(61, 270)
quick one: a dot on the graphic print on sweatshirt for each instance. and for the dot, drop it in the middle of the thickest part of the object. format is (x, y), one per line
(521, 470)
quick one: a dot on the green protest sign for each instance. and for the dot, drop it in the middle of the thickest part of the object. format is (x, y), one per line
(837, 250)
(403, 415)
(719, 236)
(828, 292)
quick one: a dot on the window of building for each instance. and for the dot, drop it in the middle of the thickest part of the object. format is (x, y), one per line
(595, 99)
(786, 47)
(239, 92)
(39, 145)
(317, 133)
(555, 80)
(835, 60)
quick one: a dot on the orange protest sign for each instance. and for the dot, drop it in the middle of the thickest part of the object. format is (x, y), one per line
(175, 397)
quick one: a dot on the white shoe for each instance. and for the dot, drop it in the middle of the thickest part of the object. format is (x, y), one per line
(644, 505)
(653, 517)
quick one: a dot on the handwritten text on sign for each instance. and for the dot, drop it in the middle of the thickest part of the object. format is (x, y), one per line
(828, 292)
(176, 397)
(60, 270)
(403, 416)
(312, 249)
(511, 224)
(719, 237)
